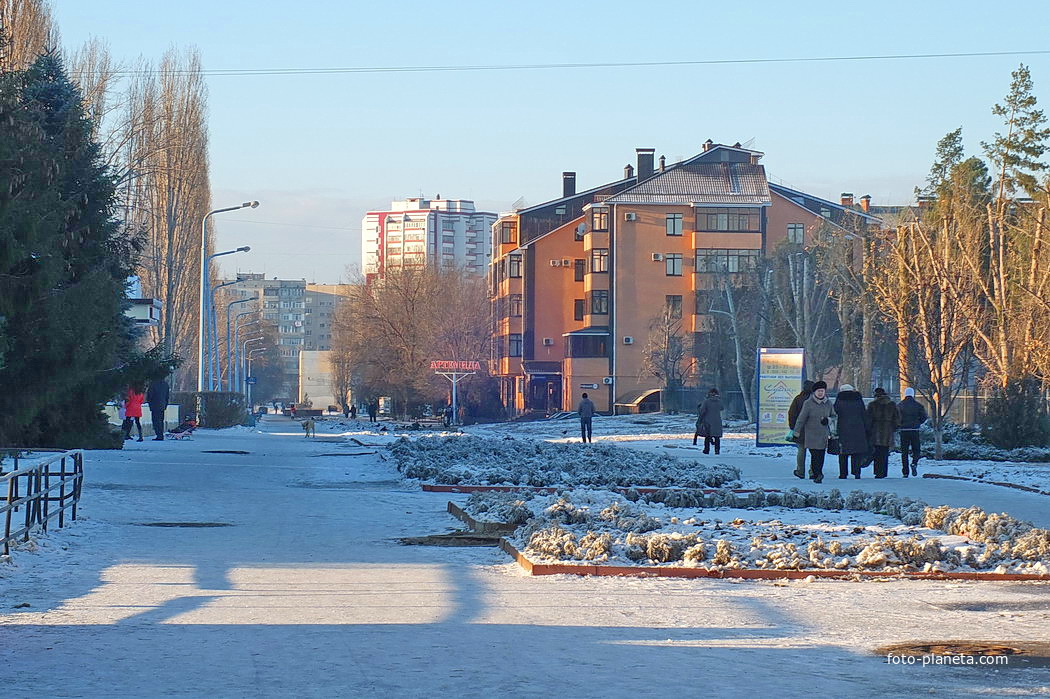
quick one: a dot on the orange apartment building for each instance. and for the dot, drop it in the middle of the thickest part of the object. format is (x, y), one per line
(578, 280)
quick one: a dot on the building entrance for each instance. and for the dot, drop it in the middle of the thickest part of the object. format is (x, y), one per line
(544, 394)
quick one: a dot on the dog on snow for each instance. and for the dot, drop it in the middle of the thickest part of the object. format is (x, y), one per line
(308, 427)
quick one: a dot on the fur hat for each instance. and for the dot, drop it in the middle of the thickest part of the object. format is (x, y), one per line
(819, 385)
(909, 392)
(846, 387)
(713, 392)
(807, 386)
(880, 391)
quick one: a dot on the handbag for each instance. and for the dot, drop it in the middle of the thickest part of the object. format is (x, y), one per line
(702, 430)
(833, 446)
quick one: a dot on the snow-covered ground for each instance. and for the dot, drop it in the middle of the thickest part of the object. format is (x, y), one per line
(1028, 475)
(308, 593)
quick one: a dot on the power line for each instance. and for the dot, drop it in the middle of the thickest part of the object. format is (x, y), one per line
(237, 72)
(290, 225)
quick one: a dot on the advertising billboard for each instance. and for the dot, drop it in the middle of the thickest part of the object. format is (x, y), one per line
(780, 373)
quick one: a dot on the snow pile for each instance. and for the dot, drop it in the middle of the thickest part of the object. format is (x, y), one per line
(481, 461)
(878, 532)
(508, 508)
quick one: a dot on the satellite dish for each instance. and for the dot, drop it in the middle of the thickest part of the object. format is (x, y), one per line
(519, 204)
(581, 228)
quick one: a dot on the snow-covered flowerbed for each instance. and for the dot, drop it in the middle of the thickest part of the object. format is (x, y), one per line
(614, 428)
(470, 460)
(795, 530)
(965, 444)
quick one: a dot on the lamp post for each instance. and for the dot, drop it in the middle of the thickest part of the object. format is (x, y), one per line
(229, 339)
(244, 354)
(237, 346)
(214, 370)
(203, 306)
(248, 373)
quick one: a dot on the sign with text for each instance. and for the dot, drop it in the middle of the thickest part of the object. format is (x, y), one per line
(454, 365)
(779, 381)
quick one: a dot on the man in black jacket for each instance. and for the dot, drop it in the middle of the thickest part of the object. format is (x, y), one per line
(793, 411)
(157, 397)
(912, 414)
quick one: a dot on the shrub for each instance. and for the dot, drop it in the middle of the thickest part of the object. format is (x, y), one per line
(1016, 416)
(218, 408)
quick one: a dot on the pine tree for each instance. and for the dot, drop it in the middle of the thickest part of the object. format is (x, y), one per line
(66, 339)
(1016, 153)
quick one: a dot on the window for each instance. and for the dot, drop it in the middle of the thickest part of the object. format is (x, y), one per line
(600, 220)
(515, 305)
(514, 266)
(825, 212)
(577, 309)
(508, 232)
(674, 224)
(729, 220)
(674, 305)
(600, 260)
(796, 233)
(600, 302)
(579, 269)
(588, 346)
(514, 345)
(673, 264)
(714, 260)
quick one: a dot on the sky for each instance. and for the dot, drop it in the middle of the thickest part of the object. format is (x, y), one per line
(320, 150)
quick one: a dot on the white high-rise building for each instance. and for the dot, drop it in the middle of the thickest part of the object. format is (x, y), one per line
(415, 232)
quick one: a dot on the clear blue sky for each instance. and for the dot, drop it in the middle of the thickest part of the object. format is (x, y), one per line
(319, 150)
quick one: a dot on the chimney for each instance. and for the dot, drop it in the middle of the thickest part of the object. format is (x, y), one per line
(645, 162)
(663, 163)
(568, 184)
(707, 145)
(865, 203)
(628, 171)
(846, 199)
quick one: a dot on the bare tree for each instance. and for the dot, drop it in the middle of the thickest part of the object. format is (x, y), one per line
(26, 31)
(802, 301)
(666, 357)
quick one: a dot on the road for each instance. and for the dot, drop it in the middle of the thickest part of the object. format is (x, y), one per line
(306, 592)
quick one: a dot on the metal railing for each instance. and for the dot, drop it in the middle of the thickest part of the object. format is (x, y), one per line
(30, 488)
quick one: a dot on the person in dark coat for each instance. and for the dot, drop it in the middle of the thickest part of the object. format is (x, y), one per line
(854, 431)
(586, 412)
(353, 411)
(373, 410)
(813, 428)
(912, 414)
(793, 411)
(157, 396)
(709, 422)
(884, 422)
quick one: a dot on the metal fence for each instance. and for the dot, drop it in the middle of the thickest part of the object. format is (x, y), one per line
(34, 493)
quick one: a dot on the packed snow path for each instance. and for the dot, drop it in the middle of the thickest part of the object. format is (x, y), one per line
(307, 593)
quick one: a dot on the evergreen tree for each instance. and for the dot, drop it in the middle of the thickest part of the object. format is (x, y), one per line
(63, 266)
(1016, 153)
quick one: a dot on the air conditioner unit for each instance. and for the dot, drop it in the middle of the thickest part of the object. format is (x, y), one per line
(555, 263)
(628, 340)
(548, 341)
(658, 257)
(566, 263)
(607, 380)
(630, 216)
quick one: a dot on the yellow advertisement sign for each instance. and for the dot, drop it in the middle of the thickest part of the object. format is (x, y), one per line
(779, 381)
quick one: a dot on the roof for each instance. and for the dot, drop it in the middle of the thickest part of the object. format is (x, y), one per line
(732, 184)
(636, 397)
(791, 194)
(540, 367)
(593, 330)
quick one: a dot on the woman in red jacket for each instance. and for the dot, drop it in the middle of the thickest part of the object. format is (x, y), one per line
(133, 410)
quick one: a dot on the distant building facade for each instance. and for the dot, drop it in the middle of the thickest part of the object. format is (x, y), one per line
(579, 281)
(303, 314)
(417, 232)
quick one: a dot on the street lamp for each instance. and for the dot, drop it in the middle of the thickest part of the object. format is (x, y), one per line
(248, 373)
(244, 353)
(203, 306)
(229, 338)
(236, 347)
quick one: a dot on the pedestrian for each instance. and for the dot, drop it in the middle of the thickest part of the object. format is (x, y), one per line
(373, 410)
(884, 422)
(853, 429)
(796, 406)
(912, 416)
(709, 422)
(133, 409)
(447, 414)
(813, 427)
(346, 411)
(291, 410)
(157, 397)
(353, 411)
(586, 412)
